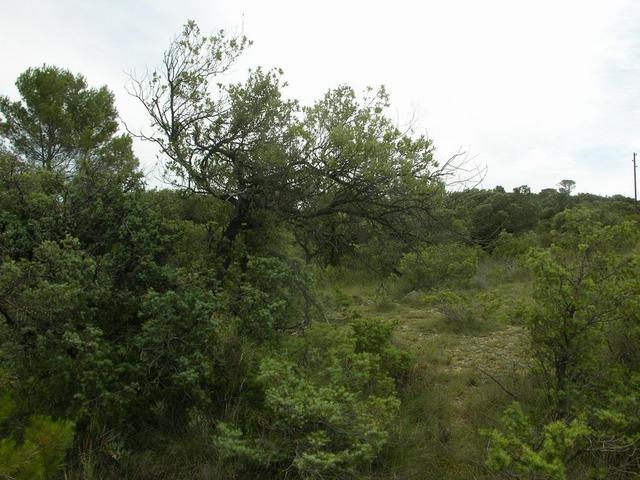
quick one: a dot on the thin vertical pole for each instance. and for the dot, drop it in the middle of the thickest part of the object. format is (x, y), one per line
(635, 185)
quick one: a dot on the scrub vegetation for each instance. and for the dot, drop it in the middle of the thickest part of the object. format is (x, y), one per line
(307, 297)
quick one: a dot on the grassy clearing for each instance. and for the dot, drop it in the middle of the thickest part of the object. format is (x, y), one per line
(463, 378)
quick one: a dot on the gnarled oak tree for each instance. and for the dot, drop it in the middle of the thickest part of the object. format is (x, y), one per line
(250, 147)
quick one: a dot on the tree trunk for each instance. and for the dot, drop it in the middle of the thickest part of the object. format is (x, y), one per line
(236, 226)
(561, 363)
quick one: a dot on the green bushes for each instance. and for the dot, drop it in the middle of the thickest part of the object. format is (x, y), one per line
(584, 284)
(585, 294)
(508, 246)
(518, 449)
(616, 428)
(467, 311)
(41, 452)
(438, 266)
(176, 348)
(373, 336)
(273, 298)
(182, 334)
(599, 443)
(329, 402)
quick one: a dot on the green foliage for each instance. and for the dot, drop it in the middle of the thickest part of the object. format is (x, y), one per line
(53, 439)
(585, 294)
(317, 169)
(510, 246)
(42, 451)
(328, 406)
(566, 186)
(373, 335)
(176, 348)
(616, 428)
(182, 331)
(466, 311)
(7, 407)
(22, 462)
(517, 448)
(273, 298)
(582, 283)
(59, 119)
(50, 302)
(438, 266)
(488, 212)
(31, 208)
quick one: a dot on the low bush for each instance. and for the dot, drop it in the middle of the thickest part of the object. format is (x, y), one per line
(41, 453)
(439, 266)
(465, 312)
(329, 403)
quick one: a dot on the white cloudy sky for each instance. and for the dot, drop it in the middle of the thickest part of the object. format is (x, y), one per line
(536, 90)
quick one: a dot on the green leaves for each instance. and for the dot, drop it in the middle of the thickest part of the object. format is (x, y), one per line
(519, 450)
(248, 146)
(328, 405)
(53, 439)
(273, 297)
(582, 284)
(58, 120)
(132, 312)
(585, 290)
(41, 454)
(439, 265)
(176, 346)
(22, 462)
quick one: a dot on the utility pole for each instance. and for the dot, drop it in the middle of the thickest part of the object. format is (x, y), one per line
(635, 185)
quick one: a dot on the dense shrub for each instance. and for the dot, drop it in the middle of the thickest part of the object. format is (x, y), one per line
(180, 331)
(585, 292)
(41, 453)
(508, 246)
(373, 336)
(439, 266)
(273, 297)
(466, 311)
(521, 451)
(175, 349)
(328, 407)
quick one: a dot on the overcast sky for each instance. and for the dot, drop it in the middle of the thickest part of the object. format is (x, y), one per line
(535, 90)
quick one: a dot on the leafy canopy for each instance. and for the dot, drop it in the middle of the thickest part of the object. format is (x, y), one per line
(59, 119)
